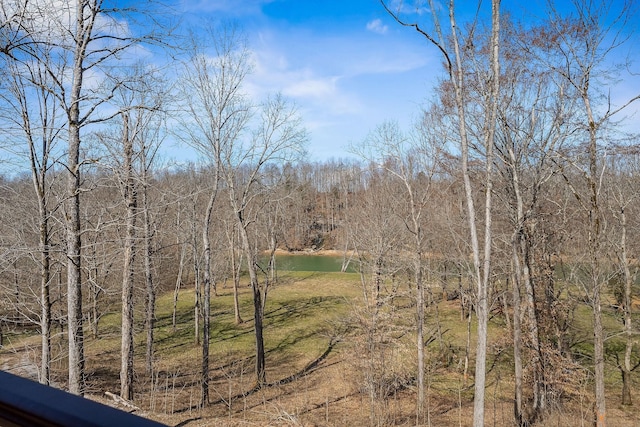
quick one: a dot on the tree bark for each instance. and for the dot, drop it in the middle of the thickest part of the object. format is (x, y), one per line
(522, 265)
(126, 348)
(235, 271)
(258, 302)
(594, 252)
(481, 270)
(176, 292)
(86, 15)
(206, 303)
(45, 298)
(517, 341)
(419, 334)
(628, 327)
(197, 285)
(74, 272)
(150, 302)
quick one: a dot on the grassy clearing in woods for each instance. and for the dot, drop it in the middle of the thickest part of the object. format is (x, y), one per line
(316, 365)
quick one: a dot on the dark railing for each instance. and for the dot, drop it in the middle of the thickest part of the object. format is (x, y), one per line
(27, 403)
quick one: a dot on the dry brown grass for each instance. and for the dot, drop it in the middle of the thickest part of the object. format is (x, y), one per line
(308, 320)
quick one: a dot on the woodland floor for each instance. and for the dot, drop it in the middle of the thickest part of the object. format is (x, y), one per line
(310, 367)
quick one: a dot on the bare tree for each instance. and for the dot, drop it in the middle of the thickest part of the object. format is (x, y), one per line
(577, 49)
(377, 234)
(139, 101)
(31, 110)
(151, 138)
(131, 205)
(623, 199)
(278, 138)
(532, 128)
(124, 172)
(410, 161)
(217, 113)
(84, 36)
(455, 49)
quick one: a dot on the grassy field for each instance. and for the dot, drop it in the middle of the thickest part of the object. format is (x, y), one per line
(318, 368)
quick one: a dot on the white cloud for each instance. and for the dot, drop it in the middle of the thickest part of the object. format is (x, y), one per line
(307, 87)
(311, 88)
(377, 26)
(343, 85)
(410, 7)
(330, 77)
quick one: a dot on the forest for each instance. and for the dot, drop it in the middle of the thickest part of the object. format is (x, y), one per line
(487, 255)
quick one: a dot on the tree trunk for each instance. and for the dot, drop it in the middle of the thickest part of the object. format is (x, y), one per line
(258, 309)
(482, 307)
(522, 265)
(45, 298)
(517, 342)
(258, 303)
(235, 268)
(83, 32)
(598, 354)
(594, 249)
(39, 182)
(628, 328)
(273, 269)
(94, 292)
(197, 286)
(150, 301)
(74, 272)
(420, 337)
(176, 292)
(481, 272)
(206, 303)
(126, 348)
(626, 386)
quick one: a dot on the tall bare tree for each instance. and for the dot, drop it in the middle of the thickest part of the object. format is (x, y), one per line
(217, 112)
(622, 201)
(278, 138)
(578, 48)
(31, 110)
(131, 206)
(531, 130)
(151, 139)
(377, 235)
(456, 49)
(139, 99)
(85, 36)
(410, 161)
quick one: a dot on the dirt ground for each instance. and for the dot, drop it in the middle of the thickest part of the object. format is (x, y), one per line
(326, 395)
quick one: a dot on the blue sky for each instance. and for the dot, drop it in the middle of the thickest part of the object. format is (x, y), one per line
(345, 63)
